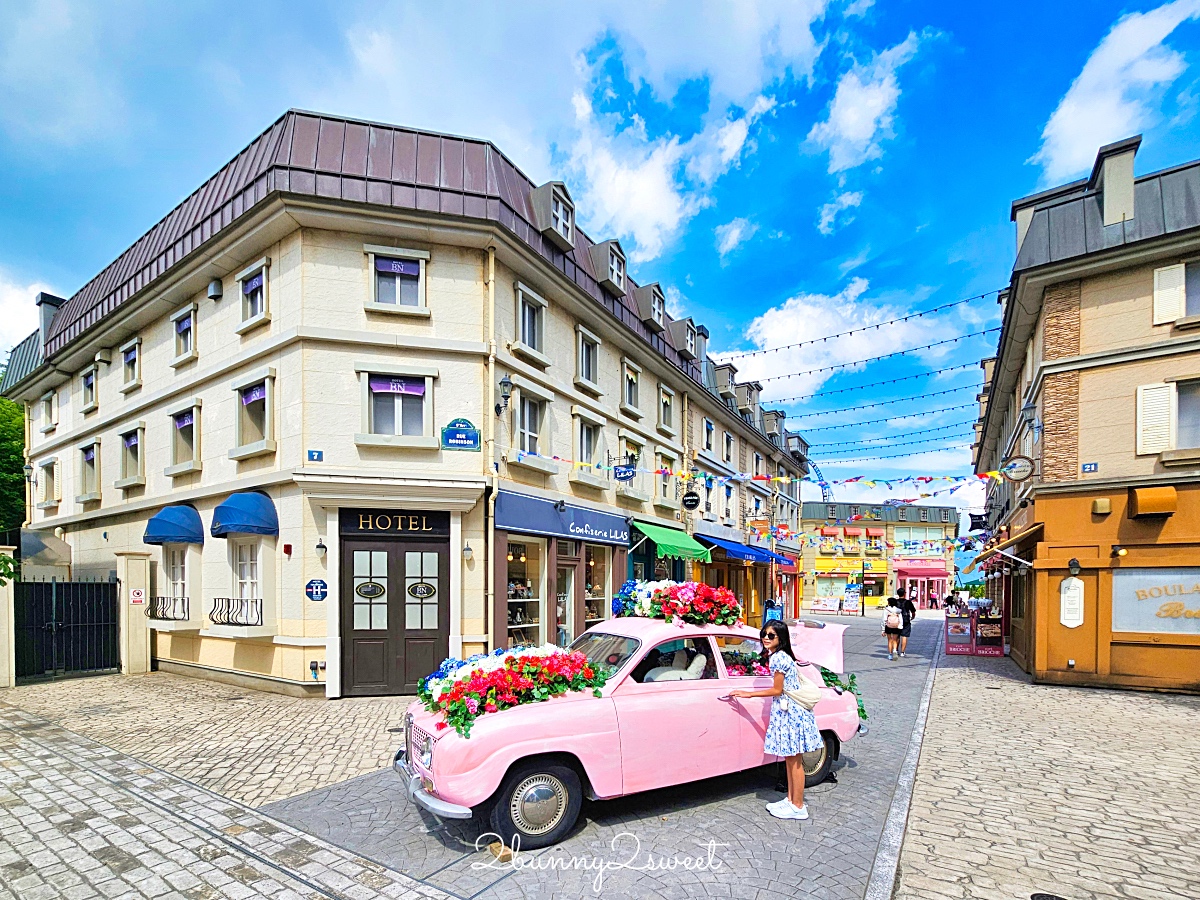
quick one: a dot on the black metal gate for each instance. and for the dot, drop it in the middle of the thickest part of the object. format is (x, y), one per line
(65, 628)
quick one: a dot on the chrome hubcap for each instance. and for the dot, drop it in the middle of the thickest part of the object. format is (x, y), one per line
(538, 804)
(814, 760)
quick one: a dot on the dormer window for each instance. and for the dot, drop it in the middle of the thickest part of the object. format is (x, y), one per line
(562, 216)
(616, 269)
(690, 341)
(657, 308)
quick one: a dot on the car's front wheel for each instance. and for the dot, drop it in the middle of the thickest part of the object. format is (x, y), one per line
(818, 763)
(537, 805)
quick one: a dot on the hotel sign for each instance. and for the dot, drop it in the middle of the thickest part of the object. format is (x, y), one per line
(1165, 601)
(414, 523)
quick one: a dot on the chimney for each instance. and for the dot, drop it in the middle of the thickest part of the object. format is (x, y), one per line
(1112, 176)
(47, 305)
(701, 342)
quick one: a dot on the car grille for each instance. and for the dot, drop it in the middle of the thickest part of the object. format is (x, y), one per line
(416, 739)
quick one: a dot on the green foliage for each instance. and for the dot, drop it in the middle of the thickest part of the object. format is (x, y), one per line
(850, 684)
(12, 465)
(8, 569)
(978, 591)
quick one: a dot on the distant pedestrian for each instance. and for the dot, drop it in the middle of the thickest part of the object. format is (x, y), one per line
(893, 622)
(908, 612)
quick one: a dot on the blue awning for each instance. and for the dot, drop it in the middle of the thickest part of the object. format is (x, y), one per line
(533, 515)
(735, 550)
(174, 525)
(248, 513)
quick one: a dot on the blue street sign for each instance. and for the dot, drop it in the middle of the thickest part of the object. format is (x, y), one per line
(316, 455)
(460, 434)
(1091, 467)
(316, 589)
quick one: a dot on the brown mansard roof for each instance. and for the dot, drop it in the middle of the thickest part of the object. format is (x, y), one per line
(314, 155)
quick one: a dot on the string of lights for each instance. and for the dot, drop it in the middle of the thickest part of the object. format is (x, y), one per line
(877, 325)
(888, 440)
(890, 381)
(830, 412)
(832, 461)
(859, 362)
(928, 412)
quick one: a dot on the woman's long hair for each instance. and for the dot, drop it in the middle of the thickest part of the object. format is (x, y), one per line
(782, 635)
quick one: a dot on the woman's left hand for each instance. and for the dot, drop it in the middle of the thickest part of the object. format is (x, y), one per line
(739, 694)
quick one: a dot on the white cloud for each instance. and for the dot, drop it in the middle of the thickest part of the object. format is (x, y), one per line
(857, 8)
(861, 114)
(18, 315)
(828, 223)
(674, 301)
(733, 234)
(57, 82)
(846, 266)
(1116, 93)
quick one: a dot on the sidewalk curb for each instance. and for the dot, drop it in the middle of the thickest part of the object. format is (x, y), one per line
(882, 883)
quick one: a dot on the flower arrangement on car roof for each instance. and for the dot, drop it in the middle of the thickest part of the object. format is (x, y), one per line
(687, 601)
(463, 690)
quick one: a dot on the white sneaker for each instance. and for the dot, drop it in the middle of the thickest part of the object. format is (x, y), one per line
(902, 654)
(778, 804)
(790, 812)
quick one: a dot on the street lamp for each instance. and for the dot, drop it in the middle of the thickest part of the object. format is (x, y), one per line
(506, 387)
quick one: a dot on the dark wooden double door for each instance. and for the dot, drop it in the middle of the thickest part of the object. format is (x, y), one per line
(395, 601)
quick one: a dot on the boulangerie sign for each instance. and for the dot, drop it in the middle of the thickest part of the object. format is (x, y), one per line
(382, 384)
(1164, 601)
(256, 392)
(397, 266)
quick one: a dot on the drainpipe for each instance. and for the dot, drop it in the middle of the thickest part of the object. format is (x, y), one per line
(490, 419)
(28, 481)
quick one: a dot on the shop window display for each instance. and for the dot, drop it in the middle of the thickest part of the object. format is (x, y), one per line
(596, 591)
(526, 594)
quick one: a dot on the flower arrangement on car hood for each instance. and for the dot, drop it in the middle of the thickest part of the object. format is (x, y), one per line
(463, 690)
(686, 601)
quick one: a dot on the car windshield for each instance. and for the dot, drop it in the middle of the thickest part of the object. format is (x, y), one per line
(606, 649)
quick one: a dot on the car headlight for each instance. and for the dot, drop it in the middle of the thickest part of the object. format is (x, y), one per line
(425, 751)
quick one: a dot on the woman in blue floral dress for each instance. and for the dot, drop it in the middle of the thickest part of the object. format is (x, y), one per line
(792, 729)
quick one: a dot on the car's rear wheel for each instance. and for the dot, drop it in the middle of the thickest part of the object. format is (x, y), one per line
(818, 763)
(537, 805)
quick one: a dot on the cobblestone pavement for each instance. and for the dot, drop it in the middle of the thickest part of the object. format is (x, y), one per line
(1077, 792)
(826, 858)
(79, 821)
(248, 745)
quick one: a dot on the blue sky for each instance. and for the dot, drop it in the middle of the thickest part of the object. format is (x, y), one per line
(788, 170)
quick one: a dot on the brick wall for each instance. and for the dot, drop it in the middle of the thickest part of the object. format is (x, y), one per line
(1060, 321)
(1060, 434)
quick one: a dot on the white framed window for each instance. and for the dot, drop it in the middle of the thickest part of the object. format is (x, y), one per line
(854, 510)
(945, 515)
(658, 309)
(562, 216)
(728, 447)
(183, 326)
(924, 514)
(89, 473)
(665, 495)
(255, 414)
(589, 441)
(587, 361)
(89, 401)
(757, 506)
(185, 438)
(689, 341)
(1176, 293)
(758, 461)
(397, 280)
(1168, 418)
(253, 290)
(133, 472)
(589, 449)
(397, 406)
(49, 485)
(902, 514)
(631, 375)
(728, 502)
(531, 327)
(616, 268)
(49, 411)
(530, 419)
(175, 570)
(666, 410)
(131, 365)
(246, 584)
(709, 430)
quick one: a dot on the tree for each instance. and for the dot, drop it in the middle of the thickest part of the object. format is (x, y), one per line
(12, 465)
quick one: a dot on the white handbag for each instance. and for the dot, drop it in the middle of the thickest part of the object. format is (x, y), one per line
(807, 695)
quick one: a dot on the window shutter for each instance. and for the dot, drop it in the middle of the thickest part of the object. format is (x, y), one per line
(1155, 418)
(1169, 295)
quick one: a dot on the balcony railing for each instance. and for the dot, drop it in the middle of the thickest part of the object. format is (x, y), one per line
(236, 611)
(168, 609)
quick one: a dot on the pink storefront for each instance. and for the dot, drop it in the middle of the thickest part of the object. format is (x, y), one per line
(922, 579)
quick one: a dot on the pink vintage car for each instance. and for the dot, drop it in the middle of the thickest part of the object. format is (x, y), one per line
(664, 718)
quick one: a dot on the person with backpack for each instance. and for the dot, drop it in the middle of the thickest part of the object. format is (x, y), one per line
(893, 621)
(908, 612)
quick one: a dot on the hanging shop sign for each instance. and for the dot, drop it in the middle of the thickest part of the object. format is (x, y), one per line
(1070, 602)
(624, 473)
(1162, 601)
(533, 515)
(460, 434)
(415, 523)
(1017, 469)
(691, 500)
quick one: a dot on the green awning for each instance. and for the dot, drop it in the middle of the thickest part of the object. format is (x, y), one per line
(674, 543)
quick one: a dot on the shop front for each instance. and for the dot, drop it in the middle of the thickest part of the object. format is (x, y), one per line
(748, 569)
(924, 581)
(557, 567)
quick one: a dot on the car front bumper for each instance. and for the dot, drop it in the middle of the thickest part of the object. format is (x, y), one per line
(862, 728)
(417, 794)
